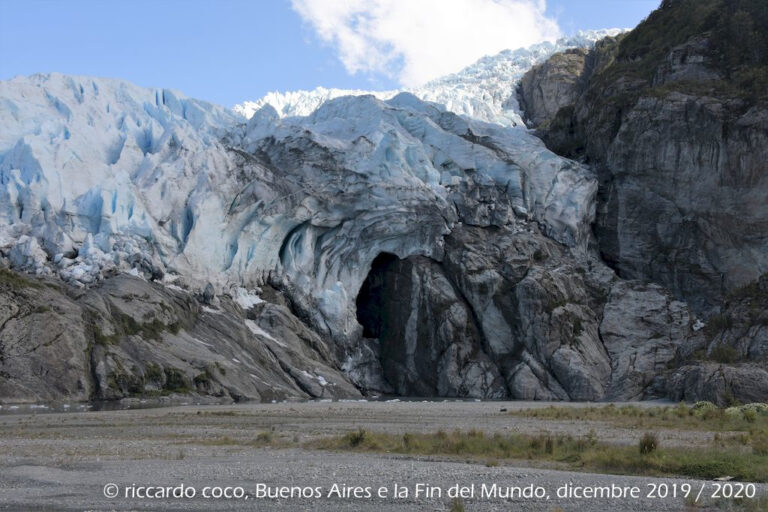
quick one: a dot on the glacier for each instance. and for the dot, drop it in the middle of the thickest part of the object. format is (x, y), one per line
(484, 90)
(99, 177)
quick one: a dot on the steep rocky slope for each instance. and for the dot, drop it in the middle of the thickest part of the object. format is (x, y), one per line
(673, 118)
(510, 313)
(552, 85)
(729, 360)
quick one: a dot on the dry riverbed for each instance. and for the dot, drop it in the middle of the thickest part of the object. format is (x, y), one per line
(63, 461)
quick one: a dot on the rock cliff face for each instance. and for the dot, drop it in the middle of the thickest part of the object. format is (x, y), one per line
(728, 359)
(552, 85)
(673, 120)
(673, 117)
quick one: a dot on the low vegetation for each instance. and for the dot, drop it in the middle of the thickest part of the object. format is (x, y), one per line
(16, 281)
(154, 381)
(737, 45)
(125, 325)
(648, 443)
(700, 416)
(565, 452)
(738, 449)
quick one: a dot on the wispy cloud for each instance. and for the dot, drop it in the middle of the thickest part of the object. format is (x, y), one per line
(415, 41)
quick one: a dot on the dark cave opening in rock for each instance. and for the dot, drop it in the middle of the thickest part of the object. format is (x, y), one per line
(371, 299)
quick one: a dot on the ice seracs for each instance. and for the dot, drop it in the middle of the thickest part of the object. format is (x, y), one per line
(485, 90)
(92, 167)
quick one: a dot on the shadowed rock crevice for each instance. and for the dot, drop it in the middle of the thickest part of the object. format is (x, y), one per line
(370, 300)
(429, 341)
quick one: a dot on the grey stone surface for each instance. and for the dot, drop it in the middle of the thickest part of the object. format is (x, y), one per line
(679, 146)
(129, 337)
(682, 182)
(514, 304)
(720, 383)
(552, 85)
(642, 329)
(68, 471)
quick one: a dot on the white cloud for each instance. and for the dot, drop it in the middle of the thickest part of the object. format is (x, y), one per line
(415, 41)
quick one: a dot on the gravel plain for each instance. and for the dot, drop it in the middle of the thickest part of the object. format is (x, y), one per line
(63, 461)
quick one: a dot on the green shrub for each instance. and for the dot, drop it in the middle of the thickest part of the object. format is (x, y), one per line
(356, 438)
(16, 281)
(264, 437)
(153, 373)
(592, 438)
(704, 406)
(203, 379)
(175, 380)
(759, 443)
(648, 443)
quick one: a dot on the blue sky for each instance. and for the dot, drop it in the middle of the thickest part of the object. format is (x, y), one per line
(228, 51)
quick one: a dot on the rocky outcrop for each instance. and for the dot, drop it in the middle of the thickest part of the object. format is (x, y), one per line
(428, 338)
(673, 118)
(538, 308)
(727, 361)
(552, 85)
(678, 137)
(509, 313)
(742, 326)
(132, 338)
(723, 385)
(643, 329)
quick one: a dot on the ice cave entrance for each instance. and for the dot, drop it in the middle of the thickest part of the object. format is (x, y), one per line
(373, 296)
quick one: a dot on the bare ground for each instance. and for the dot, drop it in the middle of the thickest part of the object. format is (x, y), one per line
(62, 461)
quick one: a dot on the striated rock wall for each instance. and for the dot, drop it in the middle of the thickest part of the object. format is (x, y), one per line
(678, 139)
(131, 338)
